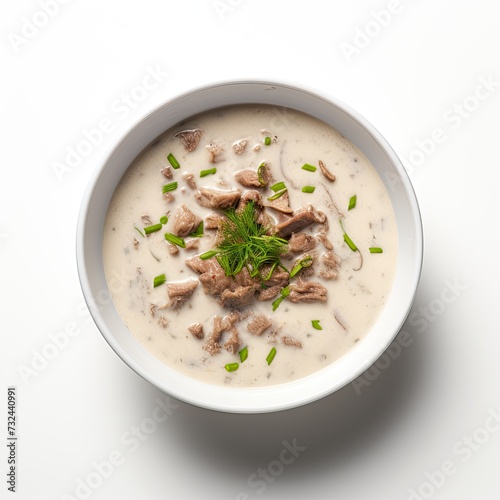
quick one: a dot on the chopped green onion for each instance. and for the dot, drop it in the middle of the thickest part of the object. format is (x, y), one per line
(277, 195)
(198, 233)
(285, 292)
(231, 367)
(278, 186)
(375, 250)
(243, 354)
(267, 141)
(159, 280)
(271, 355)
(308, 167)
(173, 161)
(260, 169)
(176, 240)
(308, 189)
(316, 325)
(164, 219)
(139, 231)
(209, 171)
(305, 262)
(348, 240)
(352, 202)
(209, 254)
(172, 186)
(152, 229)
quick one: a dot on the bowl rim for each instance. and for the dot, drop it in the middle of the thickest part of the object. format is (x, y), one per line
(261, 399)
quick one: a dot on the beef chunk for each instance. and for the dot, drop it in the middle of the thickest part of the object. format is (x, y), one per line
(215, 198)
(281, 204)
(269, 293)
(259, 325)
(301, 242)
(222, 325)
(233, 343)
(307, 291)
(180, 292)
(185, 222)
(190, 179)
(326, 172)
(197, 330)
(214, 221)
(167, 172)
(240, 297)
(190, 138)
(301, 219)
(212, 276)
(215, 151)
(240, 146)
(291, 341)
(248, 178)
(330, 263)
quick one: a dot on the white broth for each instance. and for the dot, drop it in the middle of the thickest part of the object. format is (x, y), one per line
(342, 292)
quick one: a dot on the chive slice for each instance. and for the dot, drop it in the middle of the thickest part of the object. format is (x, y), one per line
(309, 167)
(231, 367)
(152, 229)
(278, 186)
(163, 219)
(139, 231)
(159, 280)
(198, 233)
(176, 240)
(277, 302)
(305, 262)
(352, 202)
(316, 325)
(267, 141)
(375, 250)
(308, 189)
(173, 161)
(285, 292)
(172, 186)
(208, 255)
(260, 169)
(271, 355)
(209, 171)
(277, 195)
(348, 240)
(243, 354)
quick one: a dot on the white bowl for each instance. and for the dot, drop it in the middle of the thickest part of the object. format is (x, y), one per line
(265, 399)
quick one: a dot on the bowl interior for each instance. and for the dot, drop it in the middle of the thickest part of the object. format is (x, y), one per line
(279, 397)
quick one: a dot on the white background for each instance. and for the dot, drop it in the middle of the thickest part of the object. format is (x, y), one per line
(430, 68)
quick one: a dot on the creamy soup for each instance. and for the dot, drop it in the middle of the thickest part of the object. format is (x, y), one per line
(250, 246)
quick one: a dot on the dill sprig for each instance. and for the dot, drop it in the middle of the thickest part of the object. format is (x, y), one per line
(246, 244)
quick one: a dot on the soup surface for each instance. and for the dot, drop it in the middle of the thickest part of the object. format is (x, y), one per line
(250, 246)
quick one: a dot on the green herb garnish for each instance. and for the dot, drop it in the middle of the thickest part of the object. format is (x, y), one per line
(231, 367)
(271, 355)
(198, 233)
(348, 240)
(139, 231)
(316, 325)
(246, 244)
(308, 189)
(164, 219)
(209, 254)
(305, 262)
(375, 250)
(308, 167)
(260, 171)
(159, 280)
(209, 171)
(173, 161)
(352, 202)
(285, 292)
(152, 229)
(172, 186)
(243, 354)
(277, 187)
(176, 240)
(277, 195)
(267, 141)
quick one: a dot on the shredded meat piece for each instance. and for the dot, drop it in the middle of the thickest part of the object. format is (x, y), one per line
(240, 297)
(301, 242)
(185, 222)
(291, 341)
(214, 221)
(279, 276)
(248, 178)
(215, 151)
(190, 138)
(190, 179)
(330, 262)
(179, 293)
(240, 146)
(325, 241)
(269, 293)
(301, 219)
(282, 204)
(326, 172)
(168, 197)
(197, 330)
(221, 325)
(192, 244)
(307, 291)
(259, 325)
(214, 198)
(167, 172)
(233, 344)
(212, 276)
